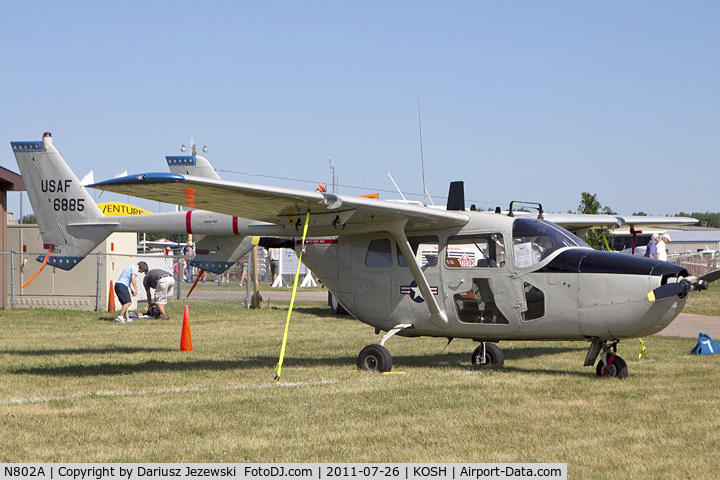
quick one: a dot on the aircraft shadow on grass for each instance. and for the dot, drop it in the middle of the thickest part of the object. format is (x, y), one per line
(86, 351)
(440, 360)
(159, 366)
(318, 312)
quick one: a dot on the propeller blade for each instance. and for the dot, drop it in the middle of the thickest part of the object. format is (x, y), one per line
(666, 291)
(710, 277)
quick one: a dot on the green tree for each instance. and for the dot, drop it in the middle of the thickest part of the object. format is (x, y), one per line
(707, 219)
(590, 205)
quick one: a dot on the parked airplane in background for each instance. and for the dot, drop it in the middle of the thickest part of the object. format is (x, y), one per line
(410, 270)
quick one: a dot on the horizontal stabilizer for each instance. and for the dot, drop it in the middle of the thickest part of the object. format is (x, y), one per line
(217, 253)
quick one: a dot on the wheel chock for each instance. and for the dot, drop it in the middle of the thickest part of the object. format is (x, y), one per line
(706, 346)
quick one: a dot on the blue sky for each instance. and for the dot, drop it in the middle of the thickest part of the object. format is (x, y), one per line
(533, 101)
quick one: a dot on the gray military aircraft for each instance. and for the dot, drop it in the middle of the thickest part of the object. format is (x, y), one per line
(411, 270)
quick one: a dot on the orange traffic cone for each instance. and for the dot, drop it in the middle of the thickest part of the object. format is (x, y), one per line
(111, 298)
(186, 337)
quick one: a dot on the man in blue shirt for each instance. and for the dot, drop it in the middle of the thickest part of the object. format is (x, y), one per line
(651, 249)
(125, 289)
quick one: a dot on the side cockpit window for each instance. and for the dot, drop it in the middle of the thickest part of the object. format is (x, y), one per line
(534, 240)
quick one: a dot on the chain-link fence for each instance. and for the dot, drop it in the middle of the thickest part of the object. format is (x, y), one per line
(88, 285)
(697, 263)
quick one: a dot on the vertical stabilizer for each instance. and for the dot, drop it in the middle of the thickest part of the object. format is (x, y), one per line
(214, 253)
(70, 222)
(194, 165)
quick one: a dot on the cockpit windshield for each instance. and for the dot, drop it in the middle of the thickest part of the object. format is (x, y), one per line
(534, 240)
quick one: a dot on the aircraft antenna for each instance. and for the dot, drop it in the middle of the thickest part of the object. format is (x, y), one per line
(422, 160)
(431, 200)
(398, 188)
(332, 169)
(363, 175)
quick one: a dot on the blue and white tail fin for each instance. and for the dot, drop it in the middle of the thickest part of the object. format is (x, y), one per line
(194, 165)
(214, 253)
(70, 222)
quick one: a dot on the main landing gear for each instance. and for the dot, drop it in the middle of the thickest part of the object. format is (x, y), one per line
(377, 358)
(487, 354)
(610, 364)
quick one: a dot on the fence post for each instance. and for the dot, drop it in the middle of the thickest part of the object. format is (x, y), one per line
(178, 276)
(98, 293)
(12, 279)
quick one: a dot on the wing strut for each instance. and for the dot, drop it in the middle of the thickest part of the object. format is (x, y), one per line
(437, 317)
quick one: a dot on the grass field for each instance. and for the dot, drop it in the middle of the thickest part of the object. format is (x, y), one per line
(77, 387)
(705, 303)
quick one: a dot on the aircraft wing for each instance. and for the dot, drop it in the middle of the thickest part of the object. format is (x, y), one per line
(580, 222)
(642, 220)
(330, 214)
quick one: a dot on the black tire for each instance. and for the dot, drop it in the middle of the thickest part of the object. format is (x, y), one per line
(335, 306)
(374, 358)
(618, 369)
(493, 356)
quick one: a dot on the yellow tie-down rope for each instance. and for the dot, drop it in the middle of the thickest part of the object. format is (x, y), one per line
(643, 350)
(278, 367)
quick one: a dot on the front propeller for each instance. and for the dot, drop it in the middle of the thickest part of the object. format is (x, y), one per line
(683, 286)
(710, 277)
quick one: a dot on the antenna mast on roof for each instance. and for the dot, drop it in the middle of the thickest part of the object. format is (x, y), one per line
(422, 161)
(332, 169)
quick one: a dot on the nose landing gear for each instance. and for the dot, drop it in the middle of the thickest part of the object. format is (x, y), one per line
(610, 364)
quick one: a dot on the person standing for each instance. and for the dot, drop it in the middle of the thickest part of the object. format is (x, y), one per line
(274, 254)
(189, 254)
(651, 249)
(125, 289)
(662, 247)
(162, 282)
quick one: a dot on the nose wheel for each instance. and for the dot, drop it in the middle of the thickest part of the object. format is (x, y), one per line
(611, 365)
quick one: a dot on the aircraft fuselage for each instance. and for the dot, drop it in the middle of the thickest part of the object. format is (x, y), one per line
(497, 279)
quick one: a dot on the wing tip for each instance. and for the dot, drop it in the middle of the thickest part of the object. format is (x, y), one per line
(143, 178)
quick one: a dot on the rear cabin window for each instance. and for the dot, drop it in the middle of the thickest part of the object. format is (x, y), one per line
(425, 249)
(475, 251)
(379, 253)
